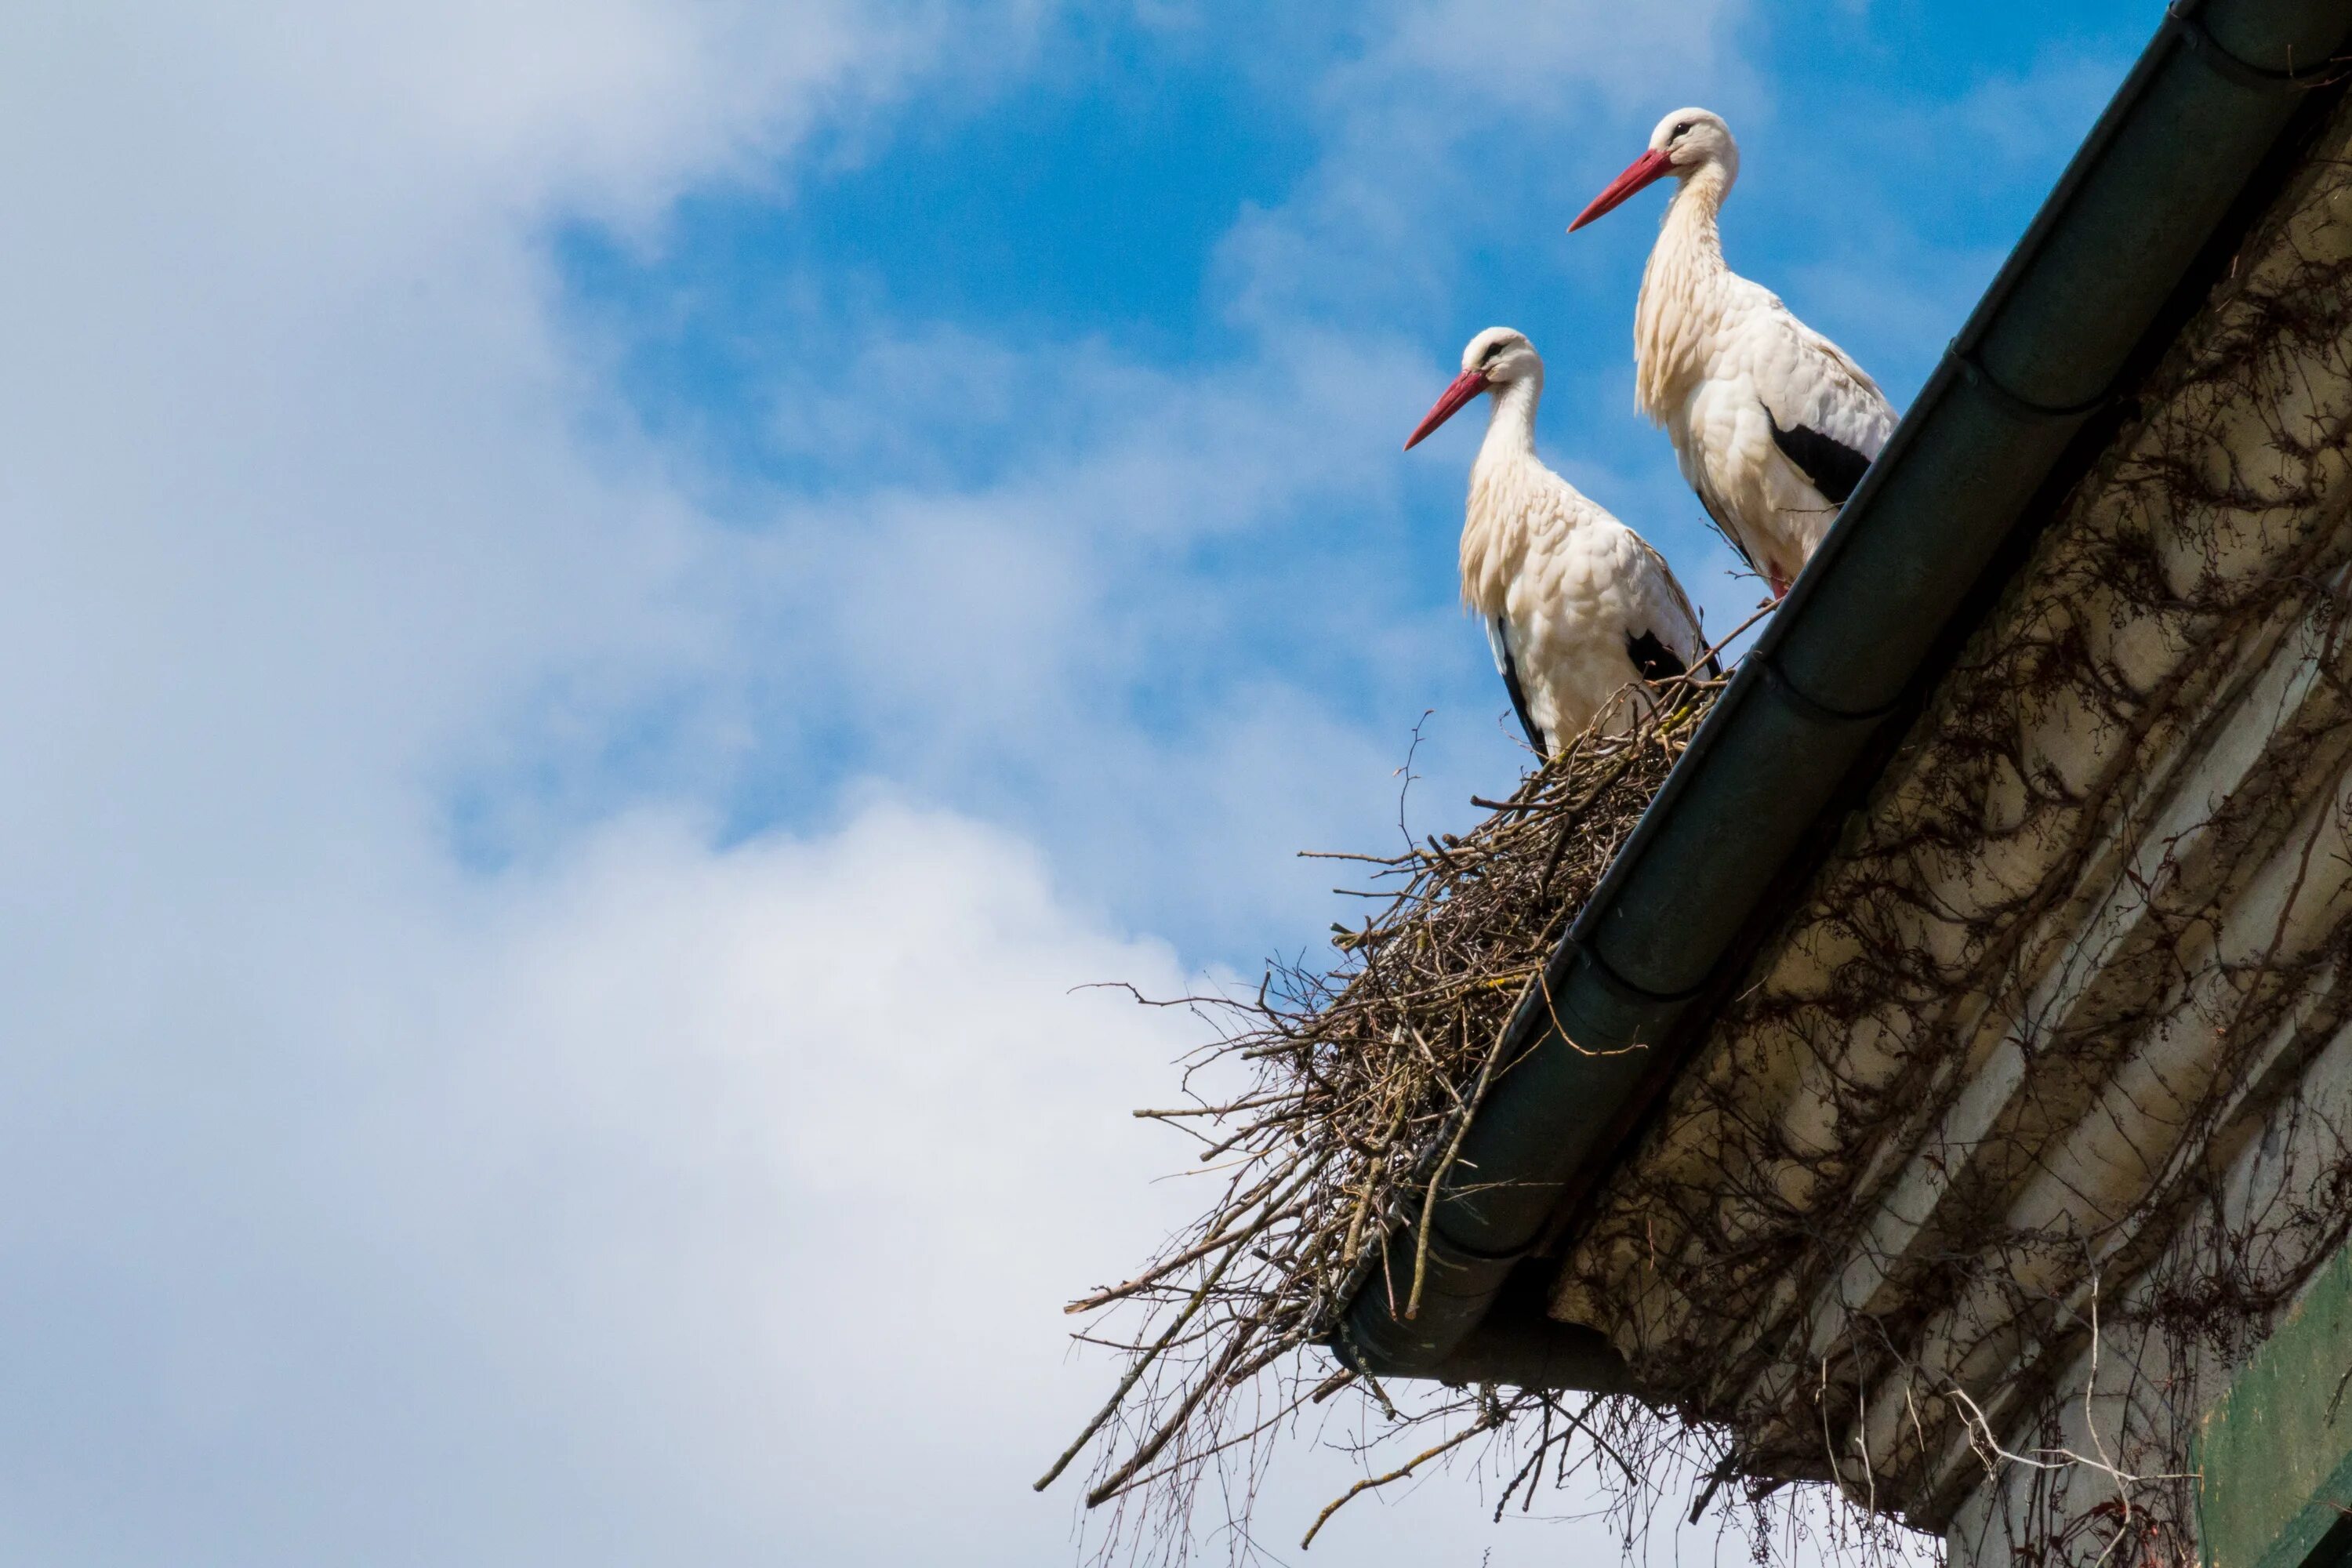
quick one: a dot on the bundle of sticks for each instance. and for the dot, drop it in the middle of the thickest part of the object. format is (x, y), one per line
(1331, 1101)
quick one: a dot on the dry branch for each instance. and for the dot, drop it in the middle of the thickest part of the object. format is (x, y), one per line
(1359, 1079)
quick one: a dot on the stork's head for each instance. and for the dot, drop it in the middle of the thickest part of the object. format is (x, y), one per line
(1495, 358)
(1685, 143)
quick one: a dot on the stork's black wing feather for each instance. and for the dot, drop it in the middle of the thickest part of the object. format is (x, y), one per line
(1723, 528)
(1833, 468)
(1510, 662)
(1653, 657)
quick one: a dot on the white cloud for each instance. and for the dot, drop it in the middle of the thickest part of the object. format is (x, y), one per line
(814, 1136)
(1556, 60)
(669, 1205)
(2035, 117)
(287, 430)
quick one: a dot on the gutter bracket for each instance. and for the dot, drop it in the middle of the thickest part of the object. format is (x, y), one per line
(1623, 989)
(2241, 72)
(1814, 711)
(2024, 410)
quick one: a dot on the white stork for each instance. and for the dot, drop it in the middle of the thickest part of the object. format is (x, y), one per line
(1773, 423)
(1578, 606)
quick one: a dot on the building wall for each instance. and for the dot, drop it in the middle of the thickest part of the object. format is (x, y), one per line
(2110, 1457)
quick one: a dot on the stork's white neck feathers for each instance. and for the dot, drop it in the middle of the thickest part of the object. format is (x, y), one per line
(1683, 295)
(1494, 541)
(1510, 421)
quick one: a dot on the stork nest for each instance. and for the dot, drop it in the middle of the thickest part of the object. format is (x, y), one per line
(1340, 1096)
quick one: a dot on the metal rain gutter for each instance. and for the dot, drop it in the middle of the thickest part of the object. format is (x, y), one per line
(2041, 354)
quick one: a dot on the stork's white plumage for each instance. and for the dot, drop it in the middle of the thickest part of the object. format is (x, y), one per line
(1579, 609)
(1774, 424)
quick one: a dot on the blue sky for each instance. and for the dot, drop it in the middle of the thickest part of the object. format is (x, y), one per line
(611, 603)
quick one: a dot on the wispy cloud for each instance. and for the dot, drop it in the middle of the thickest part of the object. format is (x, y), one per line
(1438, 127)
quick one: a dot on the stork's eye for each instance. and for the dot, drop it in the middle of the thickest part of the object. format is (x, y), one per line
(1681, 131)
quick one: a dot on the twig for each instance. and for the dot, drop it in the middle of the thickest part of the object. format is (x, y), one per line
(1486, 1423)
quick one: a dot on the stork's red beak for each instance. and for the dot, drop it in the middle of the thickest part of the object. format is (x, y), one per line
(1647, 169)
(1466, 386)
